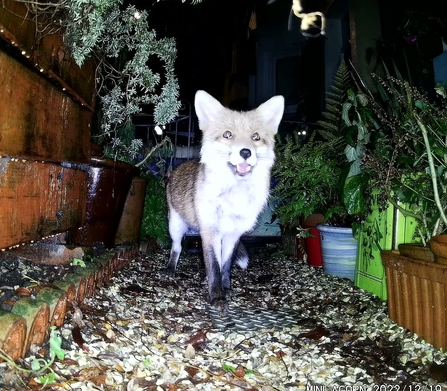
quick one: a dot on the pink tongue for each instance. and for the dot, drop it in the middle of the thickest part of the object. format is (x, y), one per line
(243, 168)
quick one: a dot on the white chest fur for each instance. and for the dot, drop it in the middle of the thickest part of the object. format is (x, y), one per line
(231, 204)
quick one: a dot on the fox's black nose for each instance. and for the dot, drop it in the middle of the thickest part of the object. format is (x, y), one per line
(245, 153)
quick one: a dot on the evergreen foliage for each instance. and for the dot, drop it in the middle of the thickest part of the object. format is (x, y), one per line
(134, 67)
(124, 47)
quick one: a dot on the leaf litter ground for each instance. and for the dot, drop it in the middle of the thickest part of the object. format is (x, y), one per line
(289, 327)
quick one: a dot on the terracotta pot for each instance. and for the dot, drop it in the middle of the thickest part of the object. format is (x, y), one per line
(438, 246)
(130, 222)
(108, 183)
(417, 293)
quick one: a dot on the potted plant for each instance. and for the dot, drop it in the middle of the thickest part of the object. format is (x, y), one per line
(406, 163)
(322, 175)
(304, 185)
(308, 176)
(339, 233)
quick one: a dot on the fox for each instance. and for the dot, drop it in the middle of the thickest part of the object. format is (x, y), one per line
(224, 192)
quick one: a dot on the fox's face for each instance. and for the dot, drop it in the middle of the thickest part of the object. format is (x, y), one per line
(240, 140)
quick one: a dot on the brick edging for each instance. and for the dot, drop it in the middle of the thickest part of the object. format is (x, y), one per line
(29, 321)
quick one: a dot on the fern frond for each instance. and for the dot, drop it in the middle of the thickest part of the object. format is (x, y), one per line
(332, 125)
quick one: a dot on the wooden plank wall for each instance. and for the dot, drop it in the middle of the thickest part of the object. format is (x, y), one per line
(37, 119)
(38, 199)
(45, 119)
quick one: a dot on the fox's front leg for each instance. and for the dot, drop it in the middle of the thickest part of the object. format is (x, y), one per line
(232, 250)
(212, 254)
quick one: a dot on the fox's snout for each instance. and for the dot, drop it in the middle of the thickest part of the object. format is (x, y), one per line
(245, 153)
(244, 167)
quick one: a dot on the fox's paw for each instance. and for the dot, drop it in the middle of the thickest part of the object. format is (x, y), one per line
(219, 304)
(229, 294)
(168, 270)
(218, 300)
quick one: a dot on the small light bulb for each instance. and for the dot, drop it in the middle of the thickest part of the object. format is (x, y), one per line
(137, 15)
(158, 130)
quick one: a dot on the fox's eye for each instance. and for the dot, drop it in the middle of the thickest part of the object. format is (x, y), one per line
(227, 134)
(255, 136)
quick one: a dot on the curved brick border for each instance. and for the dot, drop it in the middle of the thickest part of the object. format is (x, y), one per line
(30, 318)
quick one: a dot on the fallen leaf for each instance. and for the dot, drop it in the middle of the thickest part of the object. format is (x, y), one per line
(87, 309)
(138, 384)
(69, 361)
(77, 317)
(315, 334)
(280, 354)
(90, 373)
(99, 380)
(77, 337)
(22, 291)
(198, 340)
(192, 371)
(119, 368)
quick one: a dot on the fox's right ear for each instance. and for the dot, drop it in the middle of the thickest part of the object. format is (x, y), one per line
(207, 109)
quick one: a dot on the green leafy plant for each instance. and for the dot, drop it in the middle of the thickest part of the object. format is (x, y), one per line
(154, 224)
(305, 179)
(325, 174)
(78, 262)
(331, 126)
(308, 171)
(124, 47)
(41, 367)
(408, 164)
(358, 123)
(345, 129)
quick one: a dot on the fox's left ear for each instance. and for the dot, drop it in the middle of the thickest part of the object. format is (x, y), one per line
(207, 109)
(272, 111)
